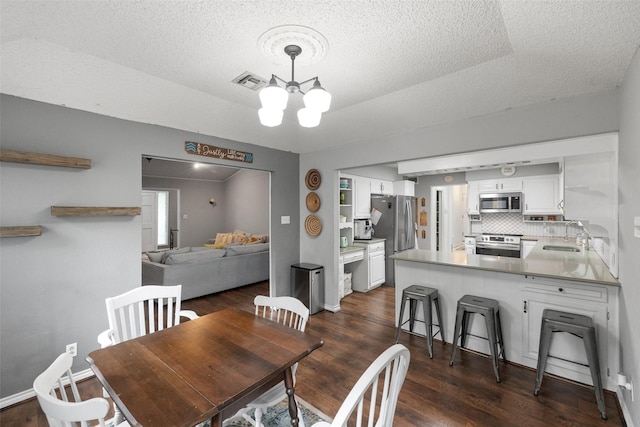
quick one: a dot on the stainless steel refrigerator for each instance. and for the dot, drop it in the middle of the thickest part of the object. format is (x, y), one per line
(393, 219)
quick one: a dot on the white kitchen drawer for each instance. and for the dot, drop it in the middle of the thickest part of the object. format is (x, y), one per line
(376, 247)
(352, 256)
(562, 288)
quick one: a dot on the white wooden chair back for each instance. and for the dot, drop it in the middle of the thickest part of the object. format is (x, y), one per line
(60, 408)
(287, 311)
(375, 395)
(141, 311)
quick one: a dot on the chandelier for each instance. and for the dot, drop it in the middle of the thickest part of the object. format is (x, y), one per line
(274, 98)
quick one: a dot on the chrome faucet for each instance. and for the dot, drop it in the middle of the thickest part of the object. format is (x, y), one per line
(566, 229)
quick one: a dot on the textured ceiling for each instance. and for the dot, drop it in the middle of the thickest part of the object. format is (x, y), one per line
(391, 66)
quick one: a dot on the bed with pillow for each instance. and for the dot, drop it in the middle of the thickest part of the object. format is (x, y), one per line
(222, 264)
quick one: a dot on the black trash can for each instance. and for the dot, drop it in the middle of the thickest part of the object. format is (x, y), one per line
(307, 285)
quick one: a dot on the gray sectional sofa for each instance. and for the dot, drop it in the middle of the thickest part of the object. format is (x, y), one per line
(202, 271)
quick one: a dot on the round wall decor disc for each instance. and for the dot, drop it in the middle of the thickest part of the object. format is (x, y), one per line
(313, 179)
(312, 225)
(313, 201)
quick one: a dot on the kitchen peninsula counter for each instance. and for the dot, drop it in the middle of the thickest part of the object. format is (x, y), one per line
(583, 266)
(575, 282)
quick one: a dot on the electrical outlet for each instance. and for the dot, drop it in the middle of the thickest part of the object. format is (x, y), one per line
(72, 349)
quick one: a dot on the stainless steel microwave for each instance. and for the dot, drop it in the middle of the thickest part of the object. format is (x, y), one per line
(501, 202)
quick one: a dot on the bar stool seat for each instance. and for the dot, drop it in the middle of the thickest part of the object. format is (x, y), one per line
(580, 326)
(412, 295)
(490, 309)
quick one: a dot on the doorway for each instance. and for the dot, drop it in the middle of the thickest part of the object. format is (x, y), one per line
(450, 222)
(160, 213)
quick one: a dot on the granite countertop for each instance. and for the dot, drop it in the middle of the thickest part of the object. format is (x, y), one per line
(583, 266)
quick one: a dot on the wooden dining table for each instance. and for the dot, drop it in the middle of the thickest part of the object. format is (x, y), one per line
(208, 367)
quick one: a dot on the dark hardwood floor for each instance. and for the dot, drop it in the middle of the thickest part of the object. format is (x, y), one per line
(434, 393)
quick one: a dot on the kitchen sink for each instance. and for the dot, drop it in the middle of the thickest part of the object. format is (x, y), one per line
(560, 248)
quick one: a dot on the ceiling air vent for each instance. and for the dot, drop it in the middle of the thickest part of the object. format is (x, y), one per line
(250, 81)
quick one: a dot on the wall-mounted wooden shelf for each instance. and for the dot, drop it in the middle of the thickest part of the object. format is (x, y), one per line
(44, 159)
(94, 211)
(21, 231)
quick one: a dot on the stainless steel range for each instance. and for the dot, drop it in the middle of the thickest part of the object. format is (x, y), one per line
(498, 245)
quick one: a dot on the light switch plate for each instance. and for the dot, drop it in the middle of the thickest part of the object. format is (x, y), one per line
(636, 227)
(285, 220)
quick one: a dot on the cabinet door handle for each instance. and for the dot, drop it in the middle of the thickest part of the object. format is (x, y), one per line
(525, 306)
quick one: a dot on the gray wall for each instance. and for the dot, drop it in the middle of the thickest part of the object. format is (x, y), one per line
(246, 202)
(52, 287)
(203, 220)
(629, 207)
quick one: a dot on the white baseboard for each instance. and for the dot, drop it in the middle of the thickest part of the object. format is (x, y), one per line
(332, 308)
(28, 394)
(626, 414)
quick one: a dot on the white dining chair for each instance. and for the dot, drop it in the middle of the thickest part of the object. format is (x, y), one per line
(139, 312)
(375, 406)
(62, 409)
(290, 312)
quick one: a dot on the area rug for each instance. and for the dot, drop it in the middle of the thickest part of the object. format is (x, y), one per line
(278, 416)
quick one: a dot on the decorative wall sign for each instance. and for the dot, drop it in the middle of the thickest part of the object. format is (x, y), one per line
(200, 149)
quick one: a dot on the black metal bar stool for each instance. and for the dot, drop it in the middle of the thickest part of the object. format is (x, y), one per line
(580, 326)
(412, 295)
(490, 309)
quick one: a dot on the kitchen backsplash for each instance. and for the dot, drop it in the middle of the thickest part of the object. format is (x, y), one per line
(513, 223)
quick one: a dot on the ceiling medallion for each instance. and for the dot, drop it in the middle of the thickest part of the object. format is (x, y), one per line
(272, 44)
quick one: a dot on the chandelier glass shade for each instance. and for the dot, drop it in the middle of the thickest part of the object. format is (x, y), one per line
(274, 98)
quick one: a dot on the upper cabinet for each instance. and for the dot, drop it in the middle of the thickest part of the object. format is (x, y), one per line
(508, 185)
(404, 188)
(380, 186)
(361, 197)
(473, 198)
(542, 195)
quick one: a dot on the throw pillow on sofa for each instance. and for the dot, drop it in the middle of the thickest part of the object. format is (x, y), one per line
(223, 238)
(155, 256)
(257, 238)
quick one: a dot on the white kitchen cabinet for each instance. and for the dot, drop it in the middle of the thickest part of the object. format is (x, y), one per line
(527, 246)
(361, 197)
(404, 188)
(507, 185)
(567, 354)
(380, 186)
(542, 195)
(370, 273)
(473, 198)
